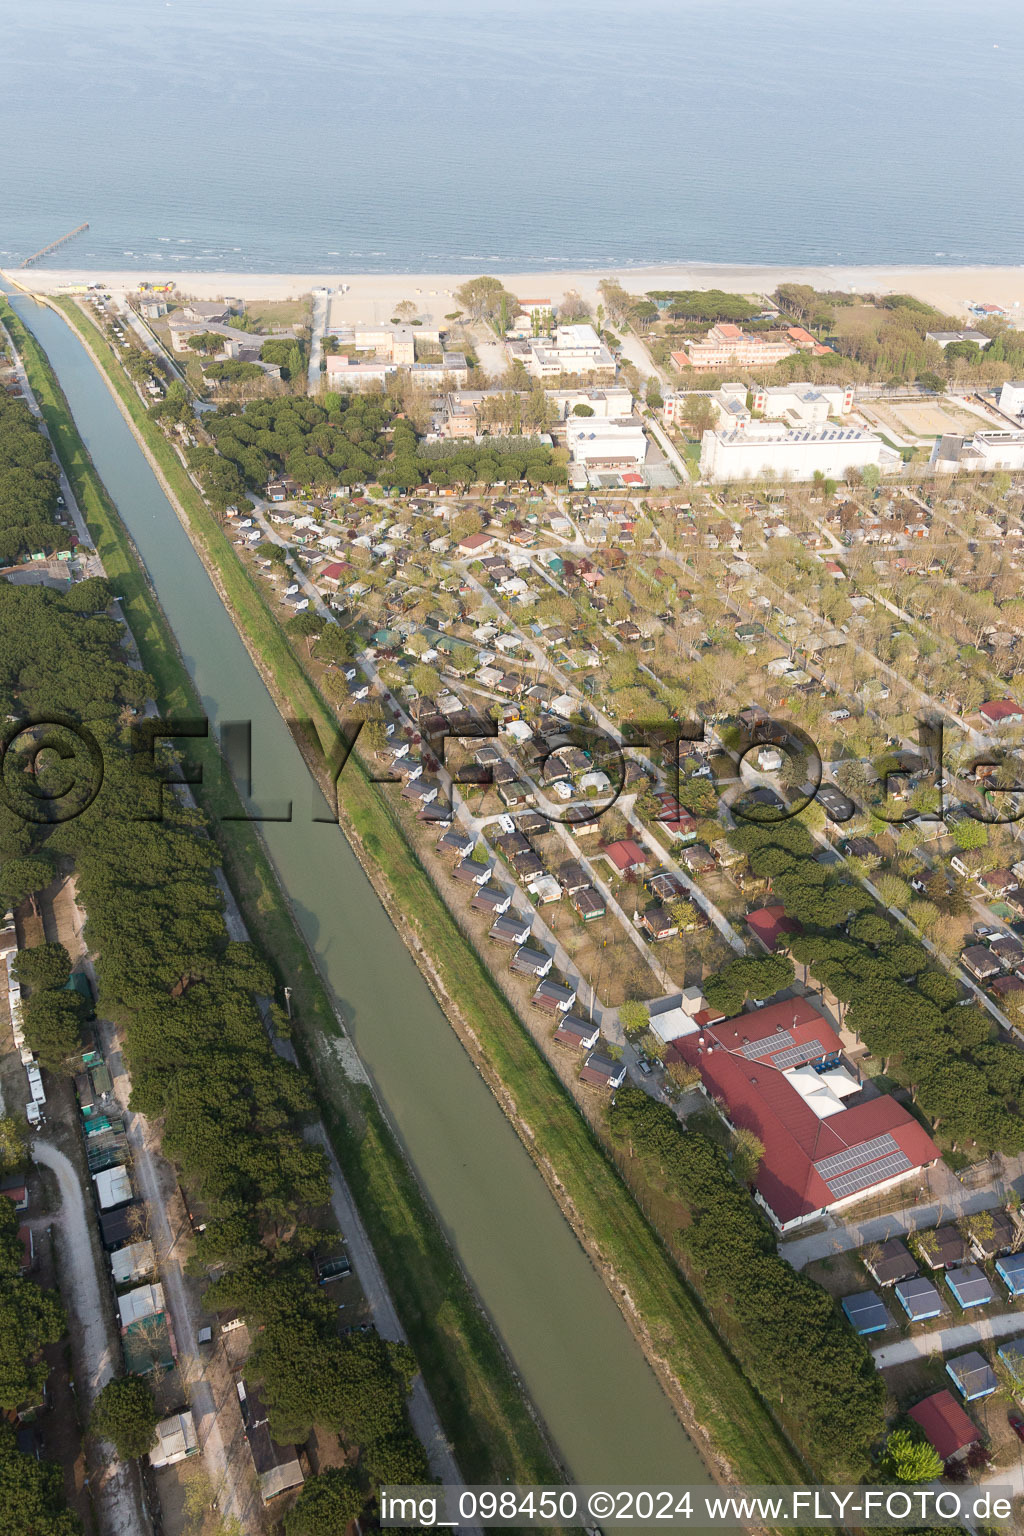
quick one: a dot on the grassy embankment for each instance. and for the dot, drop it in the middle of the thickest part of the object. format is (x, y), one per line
(641, 1275)
(482, 1407)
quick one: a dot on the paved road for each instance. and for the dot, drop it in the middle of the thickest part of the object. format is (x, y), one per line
(116, 1488)
(957, 1336)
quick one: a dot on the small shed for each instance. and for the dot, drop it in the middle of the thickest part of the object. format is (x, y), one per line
(992, 1233)
(528, 961)
(1010, 1270)
(581, 1034)
(603, 1071)
(972, 1375)
(919, 1299)
(943, 1248)
(865, 1312)
(510, 928)
(176, 1438)
(1012, 1355)
(890, 1261)
(970, 1286)
(553, 997)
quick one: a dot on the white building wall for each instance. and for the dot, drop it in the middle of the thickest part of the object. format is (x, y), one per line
(783, 454)
(999, 450)
(1011, 398)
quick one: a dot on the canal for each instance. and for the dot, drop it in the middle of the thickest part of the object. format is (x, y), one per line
(600, 1399)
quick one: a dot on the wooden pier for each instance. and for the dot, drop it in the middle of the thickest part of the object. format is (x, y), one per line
(54, 245)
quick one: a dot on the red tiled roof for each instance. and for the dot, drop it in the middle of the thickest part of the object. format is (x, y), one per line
(758, 1096)
(769, 924)
(626, 854)
(945, 1424)
(999, 709)
(798, 334)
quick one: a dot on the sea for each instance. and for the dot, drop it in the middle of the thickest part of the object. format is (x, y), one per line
(481, 135)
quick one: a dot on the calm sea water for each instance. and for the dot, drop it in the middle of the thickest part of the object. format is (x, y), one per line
(361, 135)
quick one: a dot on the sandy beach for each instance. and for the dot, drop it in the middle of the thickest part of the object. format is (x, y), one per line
(372, 296)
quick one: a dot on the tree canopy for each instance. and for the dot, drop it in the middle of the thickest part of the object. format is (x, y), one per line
(125, 1414)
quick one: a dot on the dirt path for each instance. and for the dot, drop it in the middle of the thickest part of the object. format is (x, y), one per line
(114, 1484)
(421, 1408)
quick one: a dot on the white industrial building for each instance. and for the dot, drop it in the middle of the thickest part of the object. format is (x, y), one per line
(804, 402)
(572, 349)
(773, 450)
(946, 339)
(1011, 399)
(614, 400)
(998, 450)
(614, 444)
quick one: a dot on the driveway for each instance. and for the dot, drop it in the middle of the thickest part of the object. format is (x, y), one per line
(958, 1336)
(955, 1201)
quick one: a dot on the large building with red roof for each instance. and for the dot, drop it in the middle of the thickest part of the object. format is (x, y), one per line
(778, 1072)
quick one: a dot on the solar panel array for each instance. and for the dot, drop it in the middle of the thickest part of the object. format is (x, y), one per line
(872, 1173)
(755, 1049)
(796, 1055)
(852, 1157)
(782, 1051)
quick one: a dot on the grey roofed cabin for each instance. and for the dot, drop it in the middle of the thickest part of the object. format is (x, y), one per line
(865, 1311)
(528, 961)
(943, 1247)
(893, 1261)
(919, 1299)
(553, 997)
(579, 1033)
(970, 1286)
(469, 872)
(511, 928)
(987, 1243)
(458, 842)
(972, 1375)
(603, 1071)
(277, 1466)
(491, 898)
(572, 876)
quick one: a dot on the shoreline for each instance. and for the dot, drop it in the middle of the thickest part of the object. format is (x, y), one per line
(370, 295)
